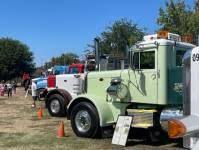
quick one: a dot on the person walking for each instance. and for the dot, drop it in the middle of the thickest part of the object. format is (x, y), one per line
(5, 88)
(14, 86)
(9, 87)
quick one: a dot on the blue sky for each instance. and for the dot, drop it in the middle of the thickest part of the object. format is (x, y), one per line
(52, 27)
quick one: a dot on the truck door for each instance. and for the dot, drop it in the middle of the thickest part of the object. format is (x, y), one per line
(69, 82)
(144, 77)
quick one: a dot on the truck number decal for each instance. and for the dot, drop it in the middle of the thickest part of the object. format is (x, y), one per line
(195, 57)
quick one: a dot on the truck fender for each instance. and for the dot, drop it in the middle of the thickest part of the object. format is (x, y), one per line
(107, 112)
(66, 95)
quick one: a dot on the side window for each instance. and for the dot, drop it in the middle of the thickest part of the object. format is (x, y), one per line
(147, 60)
(144, 60)
(179, 56)
(136, 60)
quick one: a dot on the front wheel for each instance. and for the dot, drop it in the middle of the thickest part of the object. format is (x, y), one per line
(56, 105)
(41, 94)
(85, 120)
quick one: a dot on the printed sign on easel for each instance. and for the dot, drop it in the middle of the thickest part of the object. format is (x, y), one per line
(122, 130)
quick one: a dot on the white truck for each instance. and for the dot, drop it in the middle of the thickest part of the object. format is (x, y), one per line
(188, 126)
(62, 88)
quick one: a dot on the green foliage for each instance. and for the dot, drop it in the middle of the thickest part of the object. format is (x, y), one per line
(178, 18)
(15, 58)
(175, 17)
(115, 38)
(64, 59)
(194, 23)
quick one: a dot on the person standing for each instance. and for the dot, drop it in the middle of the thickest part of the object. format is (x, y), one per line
(34, 94)
(9, 88)
(5, 88)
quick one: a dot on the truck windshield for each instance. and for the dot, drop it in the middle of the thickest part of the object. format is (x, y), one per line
(73, 70)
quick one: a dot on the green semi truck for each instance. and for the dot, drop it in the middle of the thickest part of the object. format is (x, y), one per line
(152, 83)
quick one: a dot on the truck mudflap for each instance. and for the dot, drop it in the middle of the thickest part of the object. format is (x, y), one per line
(108, 111)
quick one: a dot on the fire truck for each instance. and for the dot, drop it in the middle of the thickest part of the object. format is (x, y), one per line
(152, 83)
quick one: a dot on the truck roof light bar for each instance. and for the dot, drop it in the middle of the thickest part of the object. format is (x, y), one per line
(162, 35)
(168, 36)
(187, 38)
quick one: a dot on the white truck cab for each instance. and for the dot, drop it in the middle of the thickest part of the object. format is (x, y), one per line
(62, 88)
(188, 126)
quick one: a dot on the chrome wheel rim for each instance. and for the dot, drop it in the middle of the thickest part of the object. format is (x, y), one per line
(55, 106)
(83, 121)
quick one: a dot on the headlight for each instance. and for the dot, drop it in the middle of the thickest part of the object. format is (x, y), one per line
(117, 91)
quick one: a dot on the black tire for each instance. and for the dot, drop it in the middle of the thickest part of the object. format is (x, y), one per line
(61, 112)
(157, 135)
(94, 129)
(40, 94)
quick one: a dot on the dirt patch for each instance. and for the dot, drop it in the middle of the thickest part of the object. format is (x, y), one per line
(20, 129)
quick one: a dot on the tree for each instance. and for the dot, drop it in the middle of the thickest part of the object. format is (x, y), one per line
(175, 17)
(64, 59)
(194, 24)
(15, 58)
(116, 37)
(178, 18)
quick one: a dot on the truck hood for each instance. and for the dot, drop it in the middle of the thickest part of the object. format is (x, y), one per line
(39, 79)
(106, 74)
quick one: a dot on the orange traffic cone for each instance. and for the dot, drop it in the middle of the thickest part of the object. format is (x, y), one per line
(40, 113)
(60, 132)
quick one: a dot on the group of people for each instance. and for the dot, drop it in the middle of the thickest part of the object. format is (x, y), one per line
(8, 88)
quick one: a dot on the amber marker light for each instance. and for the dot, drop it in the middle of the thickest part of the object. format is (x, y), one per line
(162, 35)
(187, 38)
(176, 129)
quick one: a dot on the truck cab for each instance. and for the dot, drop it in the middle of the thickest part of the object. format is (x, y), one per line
(39, 84)
(58, 69)
(188, 125)
(152, 83)
(62, 88)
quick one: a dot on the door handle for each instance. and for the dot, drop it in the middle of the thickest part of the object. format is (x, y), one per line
(153, 76)
(101, 79)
